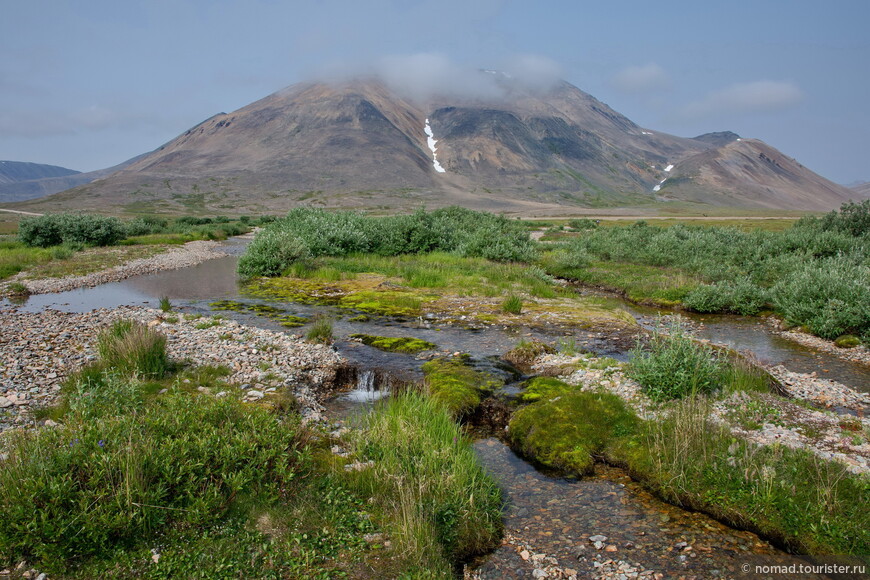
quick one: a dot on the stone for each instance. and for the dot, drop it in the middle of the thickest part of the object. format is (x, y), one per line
(525, 554)
(5, 403)
(597, 538)
(254, 394)
(538, 573)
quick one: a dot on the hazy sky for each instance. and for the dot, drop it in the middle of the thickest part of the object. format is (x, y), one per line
(87, 84)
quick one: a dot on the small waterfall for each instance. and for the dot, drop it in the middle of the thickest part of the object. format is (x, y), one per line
(365, 381)
(368, 388)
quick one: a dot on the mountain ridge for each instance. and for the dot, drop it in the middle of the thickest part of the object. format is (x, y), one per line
(361, 144)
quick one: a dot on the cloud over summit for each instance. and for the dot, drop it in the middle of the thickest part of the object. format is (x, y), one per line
(754, 97)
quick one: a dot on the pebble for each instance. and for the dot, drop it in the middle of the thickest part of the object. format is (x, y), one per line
(34, 343)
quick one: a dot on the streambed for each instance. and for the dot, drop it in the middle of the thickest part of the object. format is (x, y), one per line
(546, 515)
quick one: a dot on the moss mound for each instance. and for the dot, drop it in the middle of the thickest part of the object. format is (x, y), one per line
(457, 386)
(406, 344)
(568, 431)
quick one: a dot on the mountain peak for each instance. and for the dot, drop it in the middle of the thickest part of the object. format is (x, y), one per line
(522, 147)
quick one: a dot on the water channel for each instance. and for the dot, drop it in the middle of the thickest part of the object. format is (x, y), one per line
(553, 515)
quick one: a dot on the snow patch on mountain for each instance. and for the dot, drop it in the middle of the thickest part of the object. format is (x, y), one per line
(431, 141)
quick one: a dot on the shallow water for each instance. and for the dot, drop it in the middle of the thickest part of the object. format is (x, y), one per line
(557, 516)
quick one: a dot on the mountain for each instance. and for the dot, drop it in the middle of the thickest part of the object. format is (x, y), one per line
(862, 189)
(519, 149)
(22, 181)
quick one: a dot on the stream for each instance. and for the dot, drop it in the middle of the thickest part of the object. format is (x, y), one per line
(551, 515)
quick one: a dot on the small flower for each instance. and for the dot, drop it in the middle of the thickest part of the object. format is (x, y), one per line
(73, 442)
(102, 443)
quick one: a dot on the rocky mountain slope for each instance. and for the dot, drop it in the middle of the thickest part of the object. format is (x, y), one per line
(520, 149)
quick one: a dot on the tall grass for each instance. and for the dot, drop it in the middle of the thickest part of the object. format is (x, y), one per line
(445, 507)
(808, 504)
(134, 348)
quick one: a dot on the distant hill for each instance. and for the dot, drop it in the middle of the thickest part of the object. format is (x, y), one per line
(15, 171)
(361, 144)
(36, 180)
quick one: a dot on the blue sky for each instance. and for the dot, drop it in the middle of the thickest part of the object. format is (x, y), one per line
(87, 84)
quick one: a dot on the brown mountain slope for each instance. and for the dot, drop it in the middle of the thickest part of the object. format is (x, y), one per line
(766, 178)
(359, 144)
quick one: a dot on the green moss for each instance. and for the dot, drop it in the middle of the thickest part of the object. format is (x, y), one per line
(847, 341)
(404, 344)
(293, 290)
(278, 314)
(544, 388)
(385, 303)
(567, 432)
(457, 386)
(360, 318)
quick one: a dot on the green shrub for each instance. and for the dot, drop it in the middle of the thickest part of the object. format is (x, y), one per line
(583, 224)
(674, 366)
(739, 297)
(307, 232)
(831, 297)
(55, 229)
(132, 347)
(272, 252)
(742, 272)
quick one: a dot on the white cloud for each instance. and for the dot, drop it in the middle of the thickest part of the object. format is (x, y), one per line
(641, 79)
(536, 72)
(754, 97)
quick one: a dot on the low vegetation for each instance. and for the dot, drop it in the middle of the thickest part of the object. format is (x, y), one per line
(814, 274)
(55, 242)
(155, 477)
(791, 496)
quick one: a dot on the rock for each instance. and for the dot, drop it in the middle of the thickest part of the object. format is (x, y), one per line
(597, 538)
(611, 548)
(524, 554)
(5, 403)
(538, 573)
(257, 395)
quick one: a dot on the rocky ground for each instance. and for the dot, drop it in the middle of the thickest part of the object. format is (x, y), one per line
(189, 254)
(39, 350)
(858, 354)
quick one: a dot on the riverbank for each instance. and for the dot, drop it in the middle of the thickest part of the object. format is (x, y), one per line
(174, 257)
(39, 350)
